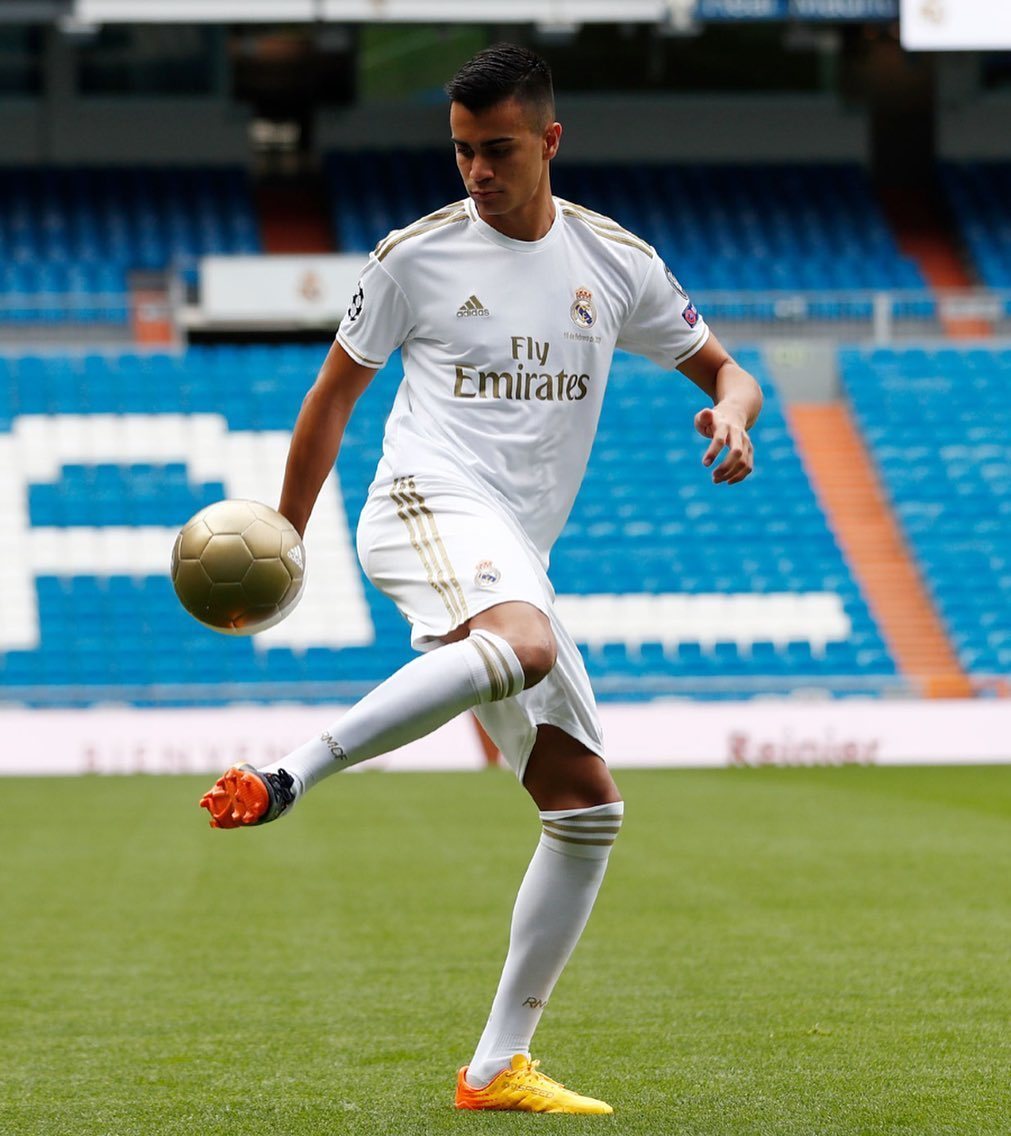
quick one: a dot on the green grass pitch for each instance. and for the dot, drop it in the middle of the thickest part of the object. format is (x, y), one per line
(803, 952)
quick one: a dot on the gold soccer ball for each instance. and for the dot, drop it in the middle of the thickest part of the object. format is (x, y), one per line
(238, 567)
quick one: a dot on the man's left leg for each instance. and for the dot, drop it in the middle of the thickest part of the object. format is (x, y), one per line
(581, 811)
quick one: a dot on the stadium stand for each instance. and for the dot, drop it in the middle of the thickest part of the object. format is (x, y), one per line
(71, 236)
(937, 423)
(980, 197)
(719, 593)
(725, 228)
(646, 523)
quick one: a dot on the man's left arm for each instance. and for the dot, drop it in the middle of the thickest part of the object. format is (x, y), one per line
(737, 400)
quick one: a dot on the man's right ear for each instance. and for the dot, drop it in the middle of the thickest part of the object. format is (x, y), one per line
(552, 137)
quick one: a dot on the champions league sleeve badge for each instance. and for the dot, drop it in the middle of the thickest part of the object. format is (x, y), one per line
(584, 314)
(357, 303)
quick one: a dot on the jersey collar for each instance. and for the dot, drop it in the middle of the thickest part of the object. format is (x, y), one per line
(503, 241)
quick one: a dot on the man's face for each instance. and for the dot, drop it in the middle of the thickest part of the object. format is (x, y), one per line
(502, 154)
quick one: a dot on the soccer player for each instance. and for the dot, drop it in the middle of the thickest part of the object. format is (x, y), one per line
(507, 306)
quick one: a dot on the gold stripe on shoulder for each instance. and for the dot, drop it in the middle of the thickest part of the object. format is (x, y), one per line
(425, 225)
(601, 221)
(618, 235)
(595, 218)
(453, 207)
(438, 215)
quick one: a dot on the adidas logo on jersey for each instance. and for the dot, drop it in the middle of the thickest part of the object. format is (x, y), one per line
(472, 307)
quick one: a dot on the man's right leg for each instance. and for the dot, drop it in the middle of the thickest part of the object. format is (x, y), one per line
(414, 701)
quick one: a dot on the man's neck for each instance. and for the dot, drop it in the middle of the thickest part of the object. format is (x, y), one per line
(530, 223)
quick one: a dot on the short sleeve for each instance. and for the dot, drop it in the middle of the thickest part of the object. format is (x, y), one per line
(663, 324)
(378, 319)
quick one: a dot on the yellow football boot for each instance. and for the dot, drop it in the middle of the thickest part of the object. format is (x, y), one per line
(521, 1088)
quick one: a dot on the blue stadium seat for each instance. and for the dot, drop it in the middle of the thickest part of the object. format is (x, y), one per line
(980, 197)
(70, 236)
(121, 630)
(950, 496)
(752, 228)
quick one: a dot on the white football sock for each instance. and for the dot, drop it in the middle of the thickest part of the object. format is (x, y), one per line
(412, 702)
(552, 907)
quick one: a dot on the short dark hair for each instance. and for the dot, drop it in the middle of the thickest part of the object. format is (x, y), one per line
(504, 71)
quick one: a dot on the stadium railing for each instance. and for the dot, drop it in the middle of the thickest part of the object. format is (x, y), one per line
(61, 308)
(878, 317)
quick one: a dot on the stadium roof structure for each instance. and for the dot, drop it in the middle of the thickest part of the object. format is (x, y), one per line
(677, 16)
(564, 12)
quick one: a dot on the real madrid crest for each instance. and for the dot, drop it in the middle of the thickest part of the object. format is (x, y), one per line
(486, 575)
(311, 287)
(583, 313)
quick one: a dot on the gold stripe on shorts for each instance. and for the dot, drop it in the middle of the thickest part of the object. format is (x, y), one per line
(411, 508)
(409, 514)
(440, 548)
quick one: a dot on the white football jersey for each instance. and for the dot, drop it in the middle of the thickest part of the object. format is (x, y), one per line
(507, 346)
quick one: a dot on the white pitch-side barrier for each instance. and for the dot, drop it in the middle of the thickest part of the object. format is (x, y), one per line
(675, 734)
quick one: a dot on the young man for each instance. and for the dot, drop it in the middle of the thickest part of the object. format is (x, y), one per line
(508, 306)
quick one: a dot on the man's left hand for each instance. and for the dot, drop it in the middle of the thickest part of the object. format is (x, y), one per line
(727, 431)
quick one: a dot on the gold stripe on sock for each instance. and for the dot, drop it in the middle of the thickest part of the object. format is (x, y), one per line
(494, 678)
(611, 837)
(600, 826)
(573, 840)
(511, 680)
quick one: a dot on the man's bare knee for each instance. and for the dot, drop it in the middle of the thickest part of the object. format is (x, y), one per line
(537, 656)
(528, 631)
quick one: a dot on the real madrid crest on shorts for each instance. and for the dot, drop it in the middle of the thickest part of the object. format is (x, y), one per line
(486, 575)
(583, 313)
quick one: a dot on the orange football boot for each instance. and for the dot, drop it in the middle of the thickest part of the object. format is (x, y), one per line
(243, 796)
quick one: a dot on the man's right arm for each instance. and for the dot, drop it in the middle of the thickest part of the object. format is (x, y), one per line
(319, 428)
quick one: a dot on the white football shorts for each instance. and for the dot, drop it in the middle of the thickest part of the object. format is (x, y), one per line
(443, 555)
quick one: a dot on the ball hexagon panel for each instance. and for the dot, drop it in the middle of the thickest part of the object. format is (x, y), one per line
(226, 558)
(263, 539)
(266, 583)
